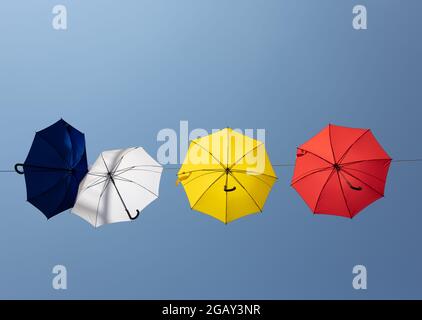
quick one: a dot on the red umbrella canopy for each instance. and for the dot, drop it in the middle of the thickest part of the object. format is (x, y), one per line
(341, 171)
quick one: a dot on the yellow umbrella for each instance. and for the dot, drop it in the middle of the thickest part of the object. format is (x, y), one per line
(227, 175)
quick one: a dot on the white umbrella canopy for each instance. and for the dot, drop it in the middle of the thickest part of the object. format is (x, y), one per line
(119, 185)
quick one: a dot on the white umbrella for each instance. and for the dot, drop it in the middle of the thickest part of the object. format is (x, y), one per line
(119, 185)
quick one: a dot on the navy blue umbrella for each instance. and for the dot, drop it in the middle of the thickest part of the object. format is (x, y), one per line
(54, 167)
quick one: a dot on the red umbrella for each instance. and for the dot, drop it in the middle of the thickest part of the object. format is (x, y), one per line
(341, 171)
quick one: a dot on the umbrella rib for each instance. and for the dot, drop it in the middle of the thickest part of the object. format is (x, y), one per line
(121, 159)
(314, 154)
(134, 182)
(58, 206)
(309, 173)
(371, 175)
(143, 170)
(76, 161)
(139, 166)
(71, 145)
(53, 147)
(344, 196)
(227, 199)
(350, 147)
(102, 157)
(209, 153)
(248, 171)
(67, 191)
(116, 166)
(227, 173)
(97, 174)
(98, 181)
(81, 158)
(255, 176)
(260, 209)
(322, 189)
(360, 180)
(201, 170)
(236, 162)
(122, 171)
(48, 190)
(99, 200)
(193, 179)
(209, 187)
(146, 170)
(359, 161)
(144, 165)
(228, 148)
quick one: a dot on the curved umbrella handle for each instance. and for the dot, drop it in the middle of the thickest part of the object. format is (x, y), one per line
(182, 178)
(135, 217)
(301, 154)
(229, 189)
(353, 187)
(17, 166)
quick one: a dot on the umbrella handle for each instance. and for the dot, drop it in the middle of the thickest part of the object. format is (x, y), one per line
(301, 154)
(351, 186)
(135, 217)
(17, 166)
(181, 178)
(229, 189)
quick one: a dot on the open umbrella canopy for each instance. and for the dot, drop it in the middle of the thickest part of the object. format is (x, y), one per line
(120, 184)
(227, 175)
(54, 167)
(341, 171)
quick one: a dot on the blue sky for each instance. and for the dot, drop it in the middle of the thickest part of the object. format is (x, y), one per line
(123, 71)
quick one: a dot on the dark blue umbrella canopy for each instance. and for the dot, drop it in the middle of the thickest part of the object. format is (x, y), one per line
(54, 167)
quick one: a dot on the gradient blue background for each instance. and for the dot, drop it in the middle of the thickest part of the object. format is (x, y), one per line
(125, 70)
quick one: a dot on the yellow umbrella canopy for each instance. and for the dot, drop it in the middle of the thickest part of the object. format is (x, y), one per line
(227, 175)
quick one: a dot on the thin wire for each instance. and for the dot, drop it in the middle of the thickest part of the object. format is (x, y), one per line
(274, 165)
(408, 160)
